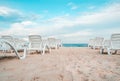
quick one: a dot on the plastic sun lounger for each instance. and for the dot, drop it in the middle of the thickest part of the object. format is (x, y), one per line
(106, 44)
(98, 42)
(91, 43)
(36, 43)
(53, 43)
(8, 43)
(114, 43)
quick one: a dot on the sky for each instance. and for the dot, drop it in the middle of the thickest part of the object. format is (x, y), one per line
(72, 21)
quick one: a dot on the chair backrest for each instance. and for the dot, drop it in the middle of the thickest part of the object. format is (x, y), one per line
(35, 38)
(10, 43)
(7, 38)
(59, 42)
(35, 41)
(106, 43)
(19, 43)
(91, 42)
(115, 41)
(16, 42)
(51, 40)
(99, 41)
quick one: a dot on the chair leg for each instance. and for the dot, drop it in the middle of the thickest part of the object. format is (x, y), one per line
(115, 51)
(101, 50)
(109, 51)
(94, 47)
(24, 54)
(55, 46)
(49, 49)
(43, 52)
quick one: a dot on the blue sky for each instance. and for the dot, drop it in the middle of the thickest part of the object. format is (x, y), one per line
(73, 21)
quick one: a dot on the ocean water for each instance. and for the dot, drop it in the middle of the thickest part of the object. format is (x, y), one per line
(75, 45)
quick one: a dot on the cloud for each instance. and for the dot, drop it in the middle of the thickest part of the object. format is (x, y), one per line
(79, 33)
(107, 15)
(58, 26)
(20, 28)
(5, 11)
(72, 5)
(14, 15)
(28, 23)
(26, 28)
(106, 33)
(81, 36)
(107, 18)
(9, 15)
(61, 22)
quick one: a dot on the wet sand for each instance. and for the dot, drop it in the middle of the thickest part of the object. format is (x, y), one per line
(64, 64)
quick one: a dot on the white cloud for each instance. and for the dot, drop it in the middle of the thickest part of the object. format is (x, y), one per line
(56, 26)
(106, 32)
(20, 28)
(72, 5)
(108, 15)
(13, 15)
(5, 11)
(9, 14)
(113, 8)
(30, 27)
(28, 23)
(78, 34)
(81, 36)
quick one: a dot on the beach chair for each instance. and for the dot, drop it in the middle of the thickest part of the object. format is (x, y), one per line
(9, 44)
(91, 43)
(53, 43)
(98, 43)
(106, 44)
(114, 44)
(59, 42)
(37, 44)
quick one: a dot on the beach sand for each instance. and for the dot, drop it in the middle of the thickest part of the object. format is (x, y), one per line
(63, 64)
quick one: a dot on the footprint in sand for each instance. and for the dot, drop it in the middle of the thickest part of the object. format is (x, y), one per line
(61, 77)
(35, 78)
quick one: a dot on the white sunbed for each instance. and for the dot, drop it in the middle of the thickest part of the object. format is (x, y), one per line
(114, 43)
(10, 44)
(53, 43)
(59, 42)
(91, 43)
(36, 43)
(98, 43)
(106, 44)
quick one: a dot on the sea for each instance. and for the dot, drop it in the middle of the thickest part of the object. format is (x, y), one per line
(75, 45)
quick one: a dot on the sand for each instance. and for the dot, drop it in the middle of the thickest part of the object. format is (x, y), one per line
(64, 64)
